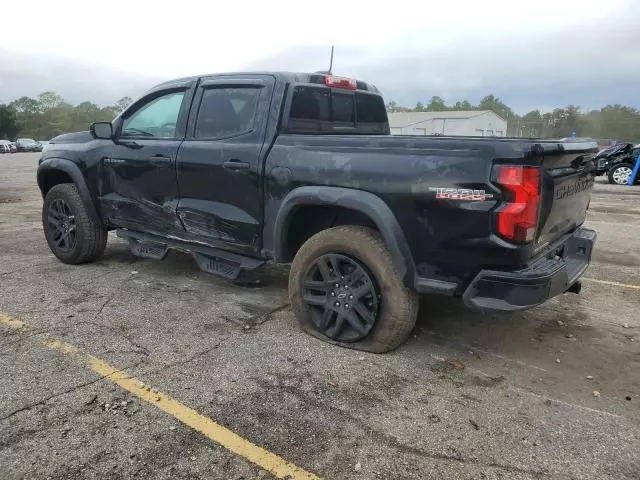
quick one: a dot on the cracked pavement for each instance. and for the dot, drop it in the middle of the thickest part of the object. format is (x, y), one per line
(469, 396)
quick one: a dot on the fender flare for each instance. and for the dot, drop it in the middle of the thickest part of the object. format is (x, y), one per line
(364, 202)
(71, 169)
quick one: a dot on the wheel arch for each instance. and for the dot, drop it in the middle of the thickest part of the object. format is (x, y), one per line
(364, 203)
(55, 171)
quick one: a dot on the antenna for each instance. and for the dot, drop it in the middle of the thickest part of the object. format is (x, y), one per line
(331, 60)
(328, 72)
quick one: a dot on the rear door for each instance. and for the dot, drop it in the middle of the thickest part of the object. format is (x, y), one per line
(218, 164)
(139, 189)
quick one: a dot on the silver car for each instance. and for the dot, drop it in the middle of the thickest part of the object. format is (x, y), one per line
(5, 146)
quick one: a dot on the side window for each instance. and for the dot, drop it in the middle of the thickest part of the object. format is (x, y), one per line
(158, 118)
(226, 112)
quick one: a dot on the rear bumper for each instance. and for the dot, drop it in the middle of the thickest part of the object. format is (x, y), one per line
(552, 274)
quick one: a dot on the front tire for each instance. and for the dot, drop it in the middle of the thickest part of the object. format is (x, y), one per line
(72, 234)
(351, 264)
(620, 174)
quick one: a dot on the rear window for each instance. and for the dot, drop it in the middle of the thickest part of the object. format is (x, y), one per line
(344, 111)
(371, 108)
(323, 110)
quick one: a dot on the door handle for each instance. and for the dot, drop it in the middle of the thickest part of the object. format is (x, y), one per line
(236, 165)
(160, 160)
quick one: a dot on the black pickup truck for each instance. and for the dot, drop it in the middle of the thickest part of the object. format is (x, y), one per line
(242, 169)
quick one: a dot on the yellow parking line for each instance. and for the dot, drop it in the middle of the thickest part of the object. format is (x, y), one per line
(10, 321)
(232, 441)
(615, 284)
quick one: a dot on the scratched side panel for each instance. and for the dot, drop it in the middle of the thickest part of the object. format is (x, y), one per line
(404, 173)
(220, 202)
(138, 193)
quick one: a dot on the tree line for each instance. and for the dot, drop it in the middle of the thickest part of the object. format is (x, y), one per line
(617, 122)
(48, 115)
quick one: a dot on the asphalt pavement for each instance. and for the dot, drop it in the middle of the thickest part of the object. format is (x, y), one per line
(131, 368)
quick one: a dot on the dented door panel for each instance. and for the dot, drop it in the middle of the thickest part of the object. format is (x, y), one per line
(139, 187)
(219, 171)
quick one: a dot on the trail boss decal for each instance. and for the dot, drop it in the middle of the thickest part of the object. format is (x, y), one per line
(460, 194)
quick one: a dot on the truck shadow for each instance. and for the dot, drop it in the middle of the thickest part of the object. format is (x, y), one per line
(450, 316)
(534, 339)
(444, 324)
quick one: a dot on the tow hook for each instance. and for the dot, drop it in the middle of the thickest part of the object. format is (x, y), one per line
(575, 288)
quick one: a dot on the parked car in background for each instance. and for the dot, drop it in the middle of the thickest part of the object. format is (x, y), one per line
(14, 147)
(617, 162)
(5, 146)
(604, 143)
(28, 145)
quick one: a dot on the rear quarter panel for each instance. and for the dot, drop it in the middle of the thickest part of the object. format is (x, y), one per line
(449, 239)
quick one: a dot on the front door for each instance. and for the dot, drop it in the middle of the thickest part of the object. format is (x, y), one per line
(139, 188)
(219, 164)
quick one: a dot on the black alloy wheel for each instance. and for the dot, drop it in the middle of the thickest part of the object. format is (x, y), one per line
(62, 225)
(342, 297)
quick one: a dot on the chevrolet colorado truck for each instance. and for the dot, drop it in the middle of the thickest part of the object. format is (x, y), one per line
(248, 168)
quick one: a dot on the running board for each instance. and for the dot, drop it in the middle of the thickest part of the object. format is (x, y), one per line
(211, 260)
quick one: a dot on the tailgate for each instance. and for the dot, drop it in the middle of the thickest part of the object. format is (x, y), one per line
(567, 183)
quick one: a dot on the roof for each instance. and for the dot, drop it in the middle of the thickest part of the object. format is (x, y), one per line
(291, 77)
(405, 119)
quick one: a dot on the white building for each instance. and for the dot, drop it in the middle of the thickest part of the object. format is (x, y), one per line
(478, 123)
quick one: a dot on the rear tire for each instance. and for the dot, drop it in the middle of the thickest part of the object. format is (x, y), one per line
(72, 234)
(619, 174)
(394, 309)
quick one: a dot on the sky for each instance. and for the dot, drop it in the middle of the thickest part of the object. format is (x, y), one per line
(536, 54)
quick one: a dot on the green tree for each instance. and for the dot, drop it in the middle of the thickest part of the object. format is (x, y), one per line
(531, 124)
(436, 104)
(27, 114)
(493, 103)
(84, 114)
(614, 121)
(419, 107)
(392, 107)
(462, 105)
(121, 104)
(9, 126)
(562, 122)
(49, 115)
(25, 105)
(49, 100)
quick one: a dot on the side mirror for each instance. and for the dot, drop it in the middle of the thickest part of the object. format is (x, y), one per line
(103, 130)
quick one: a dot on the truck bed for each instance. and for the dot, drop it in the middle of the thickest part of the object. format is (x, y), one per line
(455, 236)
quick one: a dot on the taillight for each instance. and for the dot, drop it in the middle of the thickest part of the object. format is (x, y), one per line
(340, 82)
(517, 218)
